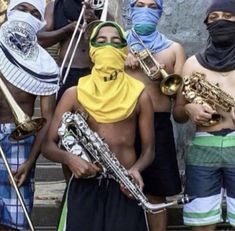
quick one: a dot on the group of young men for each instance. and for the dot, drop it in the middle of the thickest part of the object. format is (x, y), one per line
(126, 108)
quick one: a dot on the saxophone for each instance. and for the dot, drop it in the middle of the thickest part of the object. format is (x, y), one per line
(199, 91)
(76, 137)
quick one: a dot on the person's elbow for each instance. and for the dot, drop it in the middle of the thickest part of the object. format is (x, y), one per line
(46, 148)
(179, 115)
(151, 152)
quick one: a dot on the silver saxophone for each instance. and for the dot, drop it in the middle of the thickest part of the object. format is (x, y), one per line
(77, 138)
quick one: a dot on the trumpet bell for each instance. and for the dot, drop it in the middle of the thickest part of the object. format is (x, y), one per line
(27, 128)
(171, 84)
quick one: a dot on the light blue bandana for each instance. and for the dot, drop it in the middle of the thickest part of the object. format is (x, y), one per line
(144, 22)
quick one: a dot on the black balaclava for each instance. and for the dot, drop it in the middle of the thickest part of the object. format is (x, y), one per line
(219, 53)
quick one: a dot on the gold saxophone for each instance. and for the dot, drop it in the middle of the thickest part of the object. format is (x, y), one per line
(199, 91)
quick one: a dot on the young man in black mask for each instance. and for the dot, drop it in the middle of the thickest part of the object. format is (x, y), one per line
(210, 163)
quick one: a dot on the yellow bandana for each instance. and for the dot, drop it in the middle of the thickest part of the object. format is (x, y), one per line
(108, 94)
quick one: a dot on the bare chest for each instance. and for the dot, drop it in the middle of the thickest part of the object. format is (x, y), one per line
(224, 80)
(22, 98)
(118, 134)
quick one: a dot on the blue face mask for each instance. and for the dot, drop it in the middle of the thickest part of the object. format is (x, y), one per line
(145, 29)
(144, 23)
(145, 19)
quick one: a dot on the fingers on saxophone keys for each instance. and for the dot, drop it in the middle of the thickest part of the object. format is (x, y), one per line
(87, 170)
(125, 191)
(96, 168)
(208, 109)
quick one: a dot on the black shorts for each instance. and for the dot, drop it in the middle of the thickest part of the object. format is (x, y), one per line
(162, 178)
(72, 79)
(99, 205)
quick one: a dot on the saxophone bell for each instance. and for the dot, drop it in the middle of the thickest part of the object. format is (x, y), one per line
(157, 208)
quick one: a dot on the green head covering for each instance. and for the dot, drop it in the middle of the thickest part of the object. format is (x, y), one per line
(97, 28)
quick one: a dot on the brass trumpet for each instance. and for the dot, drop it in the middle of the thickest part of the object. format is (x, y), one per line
(170, 83)
(25, 126)
(16, 189)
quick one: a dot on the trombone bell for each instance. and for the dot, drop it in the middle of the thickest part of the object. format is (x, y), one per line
(27, 128)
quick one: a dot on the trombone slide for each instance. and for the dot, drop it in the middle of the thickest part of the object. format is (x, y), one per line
(16, 189)
(99, 4)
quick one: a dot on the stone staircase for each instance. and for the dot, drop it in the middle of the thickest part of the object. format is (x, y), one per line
(49, 191)
(50, 186)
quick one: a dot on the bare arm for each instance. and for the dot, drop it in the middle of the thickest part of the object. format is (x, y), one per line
(179, 68)
(183, 110)
(78, 166)
(47, 104)
(179, 58)
(179, 113)
(48, 36)
(146, 128)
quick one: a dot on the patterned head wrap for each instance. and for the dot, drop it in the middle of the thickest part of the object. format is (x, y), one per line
(23, 62)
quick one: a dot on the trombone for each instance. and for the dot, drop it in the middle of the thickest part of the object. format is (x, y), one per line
(103, 18)
(25, 126)
(170, 83)
(16, 189)
(95, 5)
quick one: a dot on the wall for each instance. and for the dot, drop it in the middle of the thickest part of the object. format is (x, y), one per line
(182, 21)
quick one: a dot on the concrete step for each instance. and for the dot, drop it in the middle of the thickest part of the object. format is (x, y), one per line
(49, 172)
(47, 202)
(47, 206)
(42, 160)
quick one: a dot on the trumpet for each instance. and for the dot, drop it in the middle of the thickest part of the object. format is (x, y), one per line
(16, 189)
(25, 126)
(170, 83)
(95, 5)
